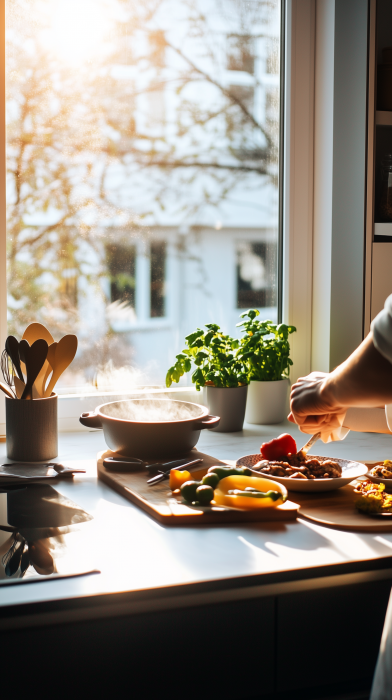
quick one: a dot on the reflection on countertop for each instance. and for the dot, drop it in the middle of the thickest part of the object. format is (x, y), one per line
(39, 534)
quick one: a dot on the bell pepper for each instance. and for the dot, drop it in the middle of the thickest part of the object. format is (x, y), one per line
(177, 478)
(231, 492)
(282, 446)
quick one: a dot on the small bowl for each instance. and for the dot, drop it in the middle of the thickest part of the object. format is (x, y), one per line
(379, 480)
(350, 471)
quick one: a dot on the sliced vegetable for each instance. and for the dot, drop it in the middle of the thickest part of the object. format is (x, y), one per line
(279, 447)
(222, 472)
(254, 493)
(249, 492)
(177, 478)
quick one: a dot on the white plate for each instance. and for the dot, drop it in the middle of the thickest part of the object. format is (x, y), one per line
(350, 471)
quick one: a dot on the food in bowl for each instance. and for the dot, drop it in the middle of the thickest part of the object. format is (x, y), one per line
(372, 498)
(382, 471)
(282, 459)
(301, 468)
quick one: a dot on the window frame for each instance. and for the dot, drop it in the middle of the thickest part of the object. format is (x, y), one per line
(295, 202)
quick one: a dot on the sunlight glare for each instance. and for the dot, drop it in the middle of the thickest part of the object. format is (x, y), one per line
(76, 29)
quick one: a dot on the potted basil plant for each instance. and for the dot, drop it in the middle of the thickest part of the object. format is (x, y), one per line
(218, 369)
(265, 352)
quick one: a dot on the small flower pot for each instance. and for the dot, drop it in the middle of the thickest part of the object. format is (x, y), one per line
(31, 429)
(229, 404)
(267, 402)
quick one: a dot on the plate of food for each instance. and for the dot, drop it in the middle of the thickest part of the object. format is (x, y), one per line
(373, 499)
(279, 460)
(381, 473)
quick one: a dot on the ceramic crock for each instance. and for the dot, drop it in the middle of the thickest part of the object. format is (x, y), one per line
(31, 429)
(150, 438)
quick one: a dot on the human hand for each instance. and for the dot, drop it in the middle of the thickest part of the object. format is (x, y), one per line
(313, 406)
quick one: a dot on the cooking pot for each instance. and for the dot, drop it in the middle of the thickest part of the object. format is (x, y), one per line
(153, 428)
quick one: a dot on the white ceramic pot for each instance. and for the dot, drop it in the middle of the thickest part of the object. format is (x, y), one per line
(229, 404)
(267, 402)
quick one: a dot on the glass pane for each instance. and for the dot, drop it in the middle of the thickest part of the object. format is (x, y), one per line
(142, 191)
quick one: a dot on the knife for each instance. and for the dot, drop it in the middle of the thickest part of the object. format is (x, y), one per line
(165, 475)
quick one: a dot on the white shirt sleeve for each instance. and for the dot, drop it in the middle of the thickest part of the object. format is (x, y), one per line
(382, 330)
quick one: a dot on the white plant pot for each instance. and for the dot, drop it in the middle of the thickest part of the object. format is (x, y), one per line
(267, 402)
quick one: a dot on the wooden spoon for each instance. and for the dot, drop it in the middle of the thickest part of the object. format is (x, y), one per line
(20, 387)
(34, 358)
(65, 353)
(34, 332)
(50, 360)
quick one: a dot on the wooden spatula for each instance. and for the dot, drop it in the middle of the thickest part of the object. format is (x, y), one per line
(65, 353)
(34, 332)
(34, 357)
(50, 360)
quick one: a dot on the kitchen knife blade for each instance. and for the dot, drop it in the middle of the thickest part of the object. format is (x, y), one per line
(165, 475)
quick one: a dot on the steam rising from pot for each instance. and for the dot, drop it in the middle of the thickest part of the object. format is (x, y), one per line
(152, 410)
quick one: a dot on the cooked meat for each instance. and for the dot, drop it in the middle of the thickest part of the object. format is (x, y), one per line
(302, 468)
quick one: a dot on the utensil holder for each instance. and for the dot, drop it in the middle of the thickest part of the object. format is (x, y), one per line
(31, 429)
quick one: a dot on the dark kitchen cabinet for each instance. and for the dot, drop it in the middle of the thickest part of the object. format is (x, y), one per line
(200, 652)
(329, 636)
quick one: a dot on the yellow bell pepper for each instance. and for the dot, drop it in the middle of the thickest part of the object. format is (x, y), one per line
(223, 497)
(177, 478)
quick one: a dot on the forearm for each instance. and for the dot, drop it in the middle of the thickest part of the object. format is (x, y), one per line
(363, 380)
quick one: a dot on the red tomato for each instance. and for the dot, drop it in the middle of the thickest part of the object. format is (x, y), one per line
(280, 447)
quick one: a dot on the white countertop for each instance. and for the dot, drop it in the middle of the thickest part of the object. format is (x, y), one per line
(133, 552)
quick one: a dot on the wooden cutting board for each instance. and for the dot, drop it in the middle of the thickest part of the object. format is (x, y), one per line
(336, 509)
(159, 502)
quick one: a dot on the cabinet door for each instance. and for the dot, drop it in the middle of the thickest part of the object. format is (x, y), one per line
(329, 636)
(211, 652)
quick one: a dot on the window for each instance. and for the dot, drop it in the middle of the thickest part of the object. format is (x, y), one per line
(240, 53)
(157, 279)
(143, 178)
(256, 277)
(121, 261)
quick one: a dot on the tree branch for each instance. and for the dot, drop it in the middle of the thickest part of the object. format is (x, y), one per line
(224, 90)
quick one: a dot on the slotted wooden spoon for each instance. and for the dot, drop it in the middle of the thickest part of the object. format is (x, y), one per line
(34, 332)
(65, 353)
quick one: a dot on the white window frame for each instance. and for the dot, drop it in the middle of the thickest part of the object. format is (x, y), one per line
(296, 284)
(306, 266)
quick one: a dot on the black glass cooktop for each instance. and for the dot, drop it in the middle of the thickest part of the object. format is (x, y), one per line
(41, 535)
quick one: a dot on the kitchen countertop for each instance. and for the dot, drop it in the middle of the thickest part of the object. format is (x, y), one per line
(149, 566)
